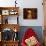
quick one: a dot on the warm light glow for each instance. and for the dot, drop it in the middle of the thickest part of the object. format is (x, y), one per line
(0, 36)
(15, 30)
(0, 17)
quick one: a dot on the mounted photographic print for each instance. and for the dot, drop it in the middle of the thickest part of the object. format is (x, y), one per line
(30, 13)
(5, 12)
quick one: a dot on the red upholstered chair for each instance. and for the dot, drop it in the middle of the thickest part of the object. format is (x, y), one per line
(28, 34)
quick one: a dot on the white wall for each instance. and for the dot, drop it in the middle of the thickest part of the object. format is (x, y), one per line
(32, 4)
(26, 4)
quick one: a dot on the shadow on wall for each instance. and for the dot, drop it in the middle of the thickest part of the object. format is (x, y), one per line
(37, 29)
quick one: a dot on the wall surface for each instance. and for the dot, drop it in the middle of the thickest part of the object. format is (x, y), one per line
(32, 4)
(26, 4)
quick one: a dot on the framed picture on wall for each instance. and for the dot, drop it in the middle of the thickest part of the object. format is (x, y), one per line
(5, 12)
(30, 13)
